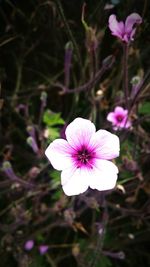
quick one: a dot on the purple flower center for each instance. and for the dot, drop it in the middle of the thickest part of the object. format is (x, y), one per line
(119, 118)
(84, 157)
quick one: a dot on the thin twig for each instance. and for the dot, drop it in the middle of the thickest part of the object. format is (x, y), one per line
(102, 231)
(125, 73)
(139, 91)
(90, 84)
(18, 82)
(69, 32)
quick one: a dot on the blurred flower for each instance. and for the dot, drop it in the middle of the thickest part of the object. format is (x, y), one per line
(119, 118)
(43, 249)
(124, 31)
(84, 157)
(33, 144)
(29, 245)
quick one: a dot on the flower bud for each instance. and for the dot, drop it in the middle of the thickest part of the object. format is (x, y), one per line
(8, 170)
(43, 98)
(67, 61)
(31, 131)
(32, 143)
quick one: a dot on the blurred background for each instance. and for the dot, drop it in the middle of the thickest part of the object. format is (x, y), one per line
(59, 61)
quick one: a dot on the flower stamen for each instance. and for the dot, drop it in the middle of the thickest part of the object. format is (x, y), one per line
(84, 156)
(119, 118)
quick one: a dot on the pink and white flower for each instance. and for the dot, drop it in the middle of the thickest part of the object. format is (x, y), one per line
(124, 31)
(119, 118)
(84, 158)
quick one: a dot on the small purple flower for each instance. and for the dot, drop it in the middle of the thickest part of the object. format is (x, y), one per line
(29, 245)
(84, 158)
(124, 31)
(43, 249)
(119, 118)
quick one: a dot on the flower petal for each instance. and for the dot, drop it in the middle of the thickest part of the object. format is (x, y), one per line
(111, 117)
(120, 110)
(131, 20)
(59, 154)
(103, 175)
(117, 28)
(125, 124)
(79, 132)
(132, 34)
(75, 180)
(105, 145)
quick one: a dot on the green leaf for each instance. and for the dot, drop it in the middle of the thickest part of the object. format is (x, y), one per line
(145, 108)
(52, 119)
(55, 175)
(55, 182)
(53, 133)
(57, 194)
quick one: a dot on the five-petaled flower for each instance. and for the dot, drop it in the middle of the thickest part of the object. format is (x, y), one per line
(124, 31)
(84, 157)
(119, 118)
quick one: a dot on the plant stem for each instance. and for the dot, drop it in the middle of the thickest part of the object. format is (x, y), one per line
(125, 74)
(135, 99)
(101, 234)
(61, 12)
(90, 84)
(18, 83)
